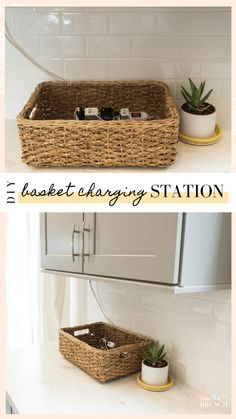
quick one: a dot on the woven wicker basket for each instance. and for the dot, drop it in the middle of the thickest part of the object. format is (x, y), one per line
(104, 365)
(53, 138)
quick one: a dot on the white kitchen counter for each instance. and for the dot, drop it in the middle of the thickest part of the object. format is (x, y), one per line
(190, 158)
(41, 381)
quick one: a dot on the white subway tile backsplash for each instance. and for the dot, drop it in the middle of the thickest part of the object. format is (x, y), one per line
(108, 46)
(222, 312)
(31, 46)
(177, 353)
(15, 104)
(209, 46)
(28, 70)
(222, 296)
(226, 89)
(152, 68)
(62, 47)
(180, 22)
(85, 69)
(147, 299)
(84, 23)
(215, 22)
(132, 23)
(37, 23)
(216, 369)
(189, 377)
(185, 46)
(221, 332)
(199, 362)
(194, 379)
(202, 309)
(224, 112)
(228, 47)
(155, 46)
(108, 9)
(11, 53)
(219, 352)
(141, 324)
(20, 10)
(165, 43)
(202, 326)
(215, 69)
(180, 336)
(181, 372)
(9, 19)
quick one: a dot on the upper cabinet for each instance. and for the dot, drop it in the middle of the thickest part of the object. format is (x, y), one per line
(206, 249)
(60, 241)
(181, 251)
(134, 246)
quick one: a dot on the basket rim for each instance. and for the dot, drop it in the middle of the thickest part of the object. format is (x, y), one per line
(108, 82)
(62, 122)
(120, 349)
(31, 101)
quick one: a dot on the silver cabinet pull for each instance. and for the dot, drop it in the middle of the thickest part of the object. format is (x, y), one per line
(83, 231)
(73, 243)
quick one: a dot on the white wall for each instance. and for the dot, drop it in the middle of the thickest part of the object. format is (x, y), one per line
(195, 329)
(169, 44)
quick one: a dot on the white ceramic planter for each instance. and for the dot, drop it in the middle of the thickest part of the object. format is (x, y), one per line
(197, 126)
(154, 376)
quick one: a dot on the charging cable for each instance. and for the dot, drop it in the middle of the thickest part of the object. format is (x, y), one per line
(97, 298)
(15, 44)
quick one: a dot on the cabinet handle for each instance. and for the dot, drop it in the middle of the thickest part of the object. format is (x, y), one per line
(83, 231)
(73, 243)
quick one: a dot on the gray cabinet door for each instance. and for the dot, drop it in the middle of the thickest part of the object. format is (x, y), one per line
(206, 249)
(139, 246)
(61, 241)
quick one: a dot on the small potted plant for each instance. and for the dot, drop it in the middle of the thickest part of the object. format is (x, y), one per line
(154, 366)
(197, 117)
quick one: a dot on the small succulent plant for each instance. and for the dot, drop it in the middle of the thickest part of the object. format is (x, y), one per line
(195, 100)
(154, 354)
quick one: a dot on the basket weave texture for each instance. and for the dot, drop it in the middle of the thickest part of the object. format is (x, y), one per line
(53, 138)
(103, 365)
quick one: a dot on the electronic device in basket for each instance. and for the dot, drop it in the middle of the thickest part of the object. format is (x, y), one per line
(91, 114)
(124, 113)
(139, 116)
(116, 116)
(79, 113)
(107, 114)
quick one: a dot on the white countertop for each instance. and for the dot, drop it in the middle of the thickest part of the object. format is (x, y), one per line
(41, 381)
(190, 158)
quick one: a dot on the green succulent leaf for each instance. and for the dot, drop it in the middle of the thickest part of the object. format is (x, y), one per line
(160, 351)
(186, 99)
(202, 87)
(194, 100)
(153, 353)
(163, 356)
(193, 87)
(186, 93)
(206, 97)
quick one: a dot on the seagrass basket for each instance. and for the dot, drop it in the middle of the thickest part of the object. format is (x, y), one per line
(50, 136)
(82, 346)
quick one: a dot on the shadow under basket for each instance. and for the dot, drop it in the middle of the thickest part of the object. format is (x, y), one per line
(82, 346)
(50, 136)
